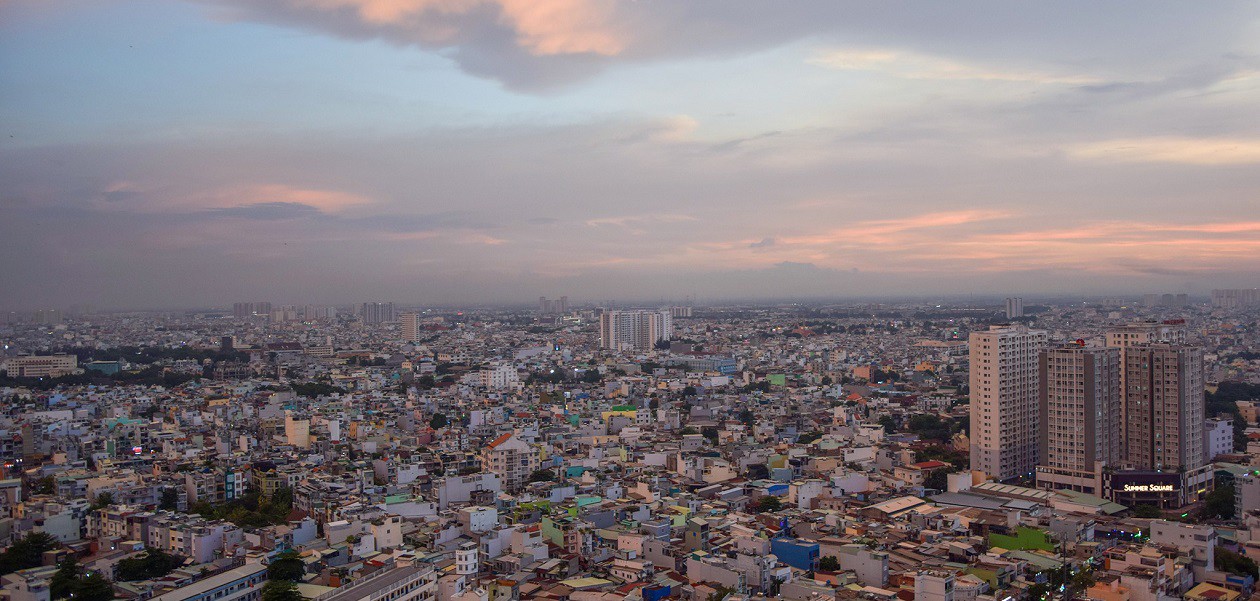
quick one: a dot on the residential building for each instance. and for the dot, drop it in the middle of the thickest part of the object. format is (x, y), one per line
(511, 459)
(1079, 402)
(634, 330)
(1164, 407)
(1004, 409)
(41, 366)
(1014, 307)
(410, 323)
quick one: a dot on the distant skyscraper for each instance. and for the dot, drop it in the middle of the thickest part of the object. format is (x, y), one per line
(1235, 298)
(247, 310)
(629, 330)
(1004, 412)
(1079, 400)
(1014, 307)
(1164, 407)
(377, 312)
(410, 326)
(551, 306)
(680, 312)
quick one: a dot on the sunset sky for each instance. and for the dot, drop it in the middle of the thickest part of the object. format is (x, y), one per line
(167, 153)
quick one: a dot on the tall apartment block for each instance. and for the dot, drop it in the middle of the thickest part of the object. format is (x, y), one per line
(1164, 407)
(628, 330)
(377, 312)
(1014, 307)
(1005, 418)
(1234, 298)
(410, 326)
(1079, 401)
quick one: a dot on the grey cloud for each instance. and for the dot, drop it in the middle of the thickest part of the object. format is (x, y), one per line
(1075, 33)
(267, 211)
(763, 243)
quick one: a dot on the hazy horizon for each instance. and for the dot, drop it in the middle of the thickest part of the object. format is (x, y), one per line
(165, 153)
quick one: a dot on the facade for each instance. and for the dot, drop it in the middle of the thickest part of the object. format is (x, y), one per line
(1236, 298)
(1079, 401)
(1147, 332)
(1005, 420)
(42, 366)
(410, 326)
(403, 583)
(511, 459)
(377, 312)
(634, 330)
(1218, 437)
(241, 584)
(936, 585)
(1164, 407)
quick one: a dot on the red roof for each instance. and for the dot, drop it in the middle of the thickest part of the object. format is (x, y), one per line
(930, 465)
(498, 441)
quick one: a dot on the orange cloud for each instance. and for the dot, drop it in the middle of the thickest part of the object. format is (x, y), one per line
(910, 65)
(1189, 151)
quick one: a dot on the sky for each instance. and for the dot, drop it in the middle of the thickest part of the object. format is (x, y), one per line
(170, 153)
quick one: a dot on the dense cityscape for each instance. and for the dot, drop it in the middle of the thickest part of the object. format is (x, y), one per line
(1105, 449)
(644, 300)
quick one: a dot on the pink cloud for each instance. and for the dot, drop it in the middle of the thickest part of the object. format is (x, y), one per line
(542, 27)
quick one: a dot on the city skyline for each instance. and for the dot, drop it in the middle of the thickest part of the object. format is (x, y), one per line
(162, 154)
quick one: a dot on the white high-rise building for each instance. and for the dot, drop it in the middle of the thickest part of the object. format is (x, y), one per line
(631, 330)
(1005, 420)
(1080, 402)
(1014, 307)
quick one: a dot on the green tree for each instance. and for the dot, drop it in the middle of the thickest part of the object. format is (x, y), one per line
(721, 592)
(1147, 511)
(153, 563)
(1228, 561)
(62, 582)
(45, 486)
(889, 423)
(27, 552)
(687, 430)
(93, 587)
(170, 499)
(1219, 504)
(286, 566)
(103, 500)
(768, 504)
(280, 590)
(710, 433)
(829, 563)
(938, 479)
(438, 421)
(542, 475)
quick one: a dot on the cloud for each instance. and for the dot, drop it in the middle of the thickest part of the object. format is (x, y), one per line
(1186, 151)
(910, 65)
(763, 243)
(629, 220)
(268, 211)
